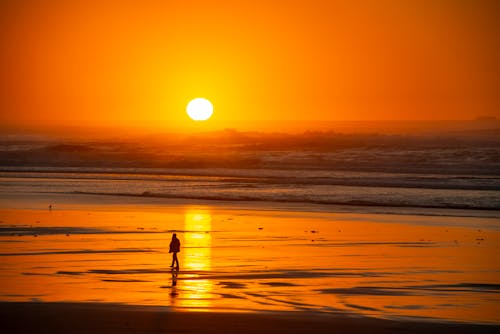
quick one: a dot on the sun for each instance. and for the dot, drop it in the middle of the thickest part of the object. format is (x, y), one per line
(199, 109)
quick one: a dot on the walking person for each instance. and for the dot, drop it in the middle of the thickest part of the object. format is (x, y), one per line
(175, 247)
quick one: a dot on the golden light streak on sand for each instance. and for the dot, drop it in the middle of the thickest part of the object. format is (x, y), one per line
(196, 256)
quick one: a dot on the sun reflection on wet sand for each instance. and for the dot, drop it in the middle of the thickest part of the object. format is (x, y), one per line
(196, 257)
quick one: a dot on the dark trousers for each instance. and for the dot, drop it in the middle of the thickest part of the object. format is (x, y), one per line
(175, 260)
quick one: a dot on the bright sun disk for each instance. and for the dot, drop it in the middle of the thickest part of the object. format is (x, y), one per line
(199, 109)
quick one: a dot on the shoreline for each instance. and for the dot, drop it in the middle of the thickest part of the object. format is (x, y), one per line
(69, 200)
(28, 317)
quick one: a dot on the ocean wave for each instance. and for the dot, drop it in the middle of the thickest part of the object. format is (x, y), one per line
(245, 178)
(347, 202)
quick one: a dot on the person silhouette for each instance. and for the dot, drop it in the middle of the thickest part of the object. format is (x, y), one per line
(175, 247)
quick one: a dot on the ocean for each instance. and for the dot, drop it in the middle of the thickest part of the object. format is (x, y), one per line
(415, 190)
(450, 170)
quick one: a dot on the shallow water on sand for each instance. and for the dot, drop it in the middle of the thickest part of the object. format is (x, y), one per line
(249, 259)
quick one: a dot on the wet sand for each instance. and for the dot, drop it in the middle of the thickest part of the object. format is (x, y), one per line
(249, 258)
(108, 318)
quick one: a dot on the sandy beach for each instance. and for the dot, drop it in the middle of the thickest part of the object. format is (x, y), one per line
(283, 267)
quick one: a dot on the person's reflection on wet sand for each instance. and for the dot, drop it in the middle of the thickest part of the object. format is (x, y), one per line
(173, 292)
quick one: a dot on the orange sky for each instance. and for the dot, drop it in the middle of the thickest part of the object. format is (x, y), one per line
(114, 63)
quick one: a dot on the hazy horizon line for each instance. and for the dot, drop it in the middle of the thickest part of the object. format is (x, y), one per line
(153, 123)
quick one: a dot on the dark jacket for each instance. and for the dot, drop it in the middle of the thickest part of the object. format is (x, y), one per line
(175, 246)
